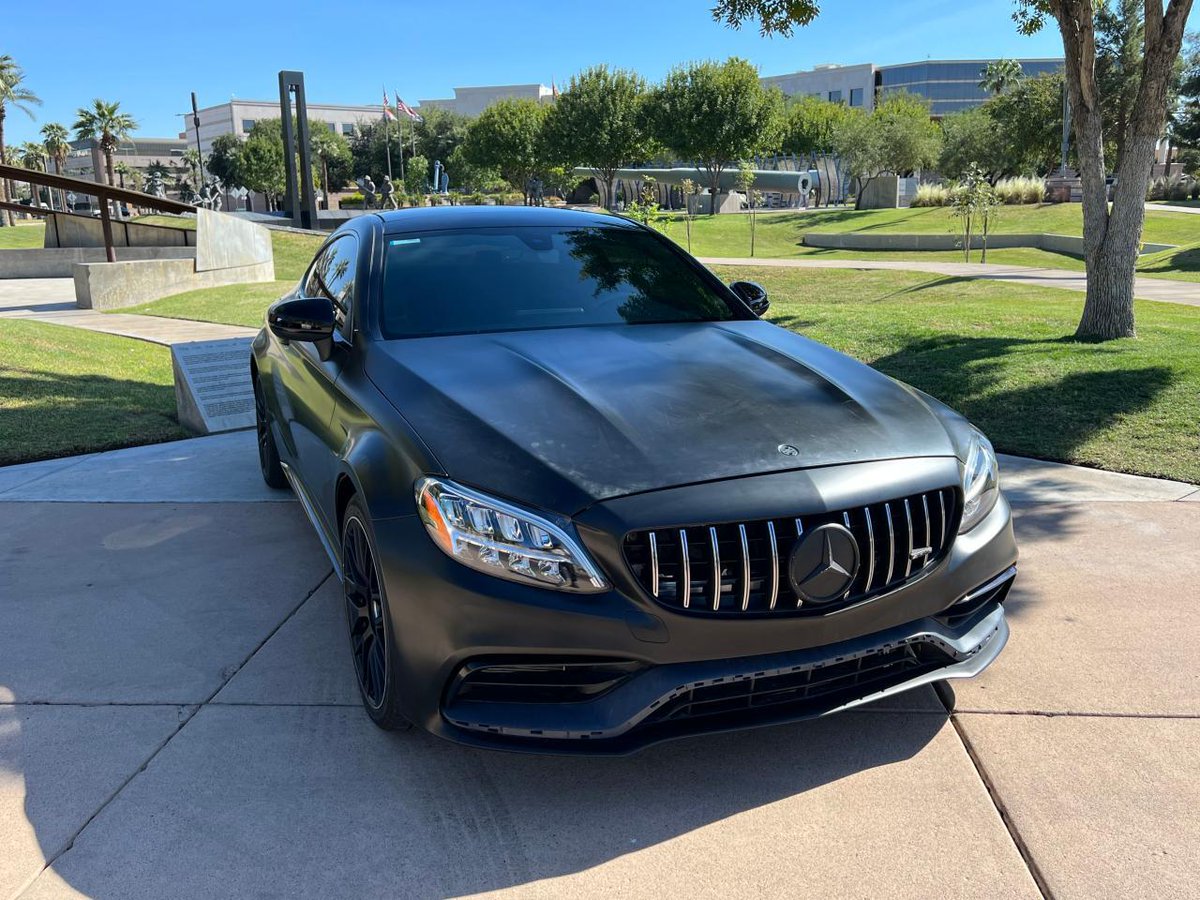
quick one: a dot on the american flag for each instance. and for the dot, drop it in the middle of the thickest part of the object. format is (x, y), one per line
(387, 110)
(403, 107)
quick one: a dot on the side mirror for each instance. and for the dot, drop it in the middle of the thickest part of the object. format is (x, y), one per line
(753, 294)
(302, 319)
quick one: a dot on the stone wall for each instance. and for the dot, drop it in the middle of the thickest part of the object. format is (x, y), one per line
(60, 262)
(106, 285)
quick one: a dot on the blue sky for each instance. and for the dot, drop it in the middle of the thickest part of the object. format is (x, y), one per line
(221, 48)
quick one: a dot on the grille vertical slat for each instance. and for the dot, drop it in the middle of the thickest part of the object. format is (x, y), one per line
(774, 565)
(685, 568)
(716, 568)
(654, 564)
(908, 559)
(674, 576)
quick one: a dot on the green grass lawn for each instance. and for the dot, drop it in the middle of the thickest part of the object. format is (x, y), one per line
(1004, 355)
(65, 391)
(240, 304)
(22, 236)
(781, 234)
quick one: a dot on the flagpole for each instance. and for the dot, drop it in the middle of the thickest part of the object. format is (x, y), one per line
(387, 135)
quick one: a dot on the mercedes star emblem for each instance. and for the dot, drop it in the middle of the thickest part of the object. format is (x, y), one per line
(824, 563)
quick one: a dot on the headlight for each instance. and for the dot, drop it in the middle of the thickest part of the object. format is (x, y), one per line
(504, 540)
(981, 481)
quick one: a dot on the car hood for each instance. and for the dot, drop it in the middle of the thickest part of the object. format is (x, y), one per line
(562, 418)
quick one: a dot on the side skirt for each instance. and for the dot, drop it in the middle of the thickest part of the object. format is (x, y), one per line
(302, 495)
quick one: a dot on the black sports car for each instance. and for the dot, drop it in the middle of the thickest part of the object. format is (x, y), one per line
(580, 497)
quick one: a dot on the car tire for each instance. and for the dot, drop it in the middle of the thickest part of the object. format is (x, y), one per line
(369, 621)
(268, 453)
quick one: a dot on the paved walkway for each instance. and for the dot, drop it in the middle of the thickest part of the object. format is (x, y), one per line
(53, 300)
(1162, 289)
(1166, 207)
(178, 718)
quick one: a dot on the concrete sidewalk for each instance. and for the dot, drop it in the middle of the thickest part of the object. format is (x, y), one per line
(1161, 289)
(52, 300)
(178, 718)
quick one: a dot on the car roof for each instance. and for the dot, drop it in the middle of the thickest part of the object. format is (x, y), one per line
(439, 218)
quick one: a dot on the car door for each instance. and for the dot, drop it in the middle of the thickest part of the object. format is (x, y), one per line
(312, 381)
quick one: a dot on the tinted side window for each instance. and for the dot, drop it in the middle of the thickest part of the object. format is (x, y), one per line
(332, 276)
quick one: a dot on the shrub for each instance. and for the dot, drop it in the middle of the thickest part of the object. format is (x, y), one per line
(1021, 189)
(931, 195)
(1178, 187)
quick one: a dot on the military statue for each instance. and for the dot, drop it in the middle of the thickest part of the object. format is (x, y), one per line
(535, 190)
(367, 187)
(388, 194)
(154, 185)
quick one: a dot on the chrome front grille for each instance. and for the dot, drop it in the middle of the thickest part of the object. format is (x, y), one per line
(736, 568)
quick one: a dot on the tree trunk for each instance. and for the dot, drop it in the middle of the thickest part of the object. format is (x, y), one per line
(1111, 241)
(714, 180)
(5, 187)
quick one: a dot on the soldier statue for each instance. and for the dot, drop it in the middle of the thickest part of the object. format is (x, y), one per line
(367, 186)
(388, 194)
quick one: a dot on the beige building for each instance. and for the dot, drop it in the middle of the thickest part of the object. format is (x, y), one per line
(471, 101)
(238, 117)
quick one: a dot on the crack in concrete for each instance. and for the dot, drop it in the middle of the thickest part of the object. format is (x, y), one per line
(185, 718)
(1031, 864)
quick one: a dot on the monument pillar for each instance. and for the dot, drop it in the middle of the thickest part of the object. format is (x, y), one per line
(300, 196)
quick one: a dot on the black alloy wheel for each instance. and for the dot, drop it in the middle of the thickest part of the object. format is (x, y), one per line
(368, 621)
(268, 453)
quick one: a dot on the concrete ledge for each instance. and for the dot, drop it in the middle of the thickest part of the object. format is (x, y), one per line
(60, 262)
(121, 284)
(1056, 243)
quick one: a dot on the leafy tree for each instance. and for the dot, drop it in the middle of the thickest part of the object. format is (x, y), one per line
(897, 136)
(262, 161)
(809, 123)
(470, 177)
(370, 146)
(1000, 75)
(13, 95)
(715, 114)
(974, 201)
(225, 160)
(774, 16)
(439, 133)
(331, 155)
(1029, 119)
(597, 122)
(1185, 129)
(417, 177)
(973, 136)
(507, 137)
(1111, 238)
(104, 123)
(1120, 34)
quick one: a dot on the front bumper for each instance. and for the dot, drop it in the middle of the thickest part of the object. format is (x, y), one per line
(665, 702)
(449, 618)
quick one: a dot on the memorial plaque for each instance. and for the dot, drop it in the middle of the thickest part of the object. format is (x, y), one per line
(212, 385)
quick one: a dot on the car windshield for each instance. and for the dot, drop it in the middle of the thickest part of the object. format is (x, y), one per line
(519, 278)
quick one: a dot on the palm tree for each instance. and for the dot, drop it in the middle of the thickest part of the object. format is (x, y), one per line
(191, 159)
(55, 137)
(104, 123)
(32, 155)
(997, 77)
(122, 169)
(18, 97)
